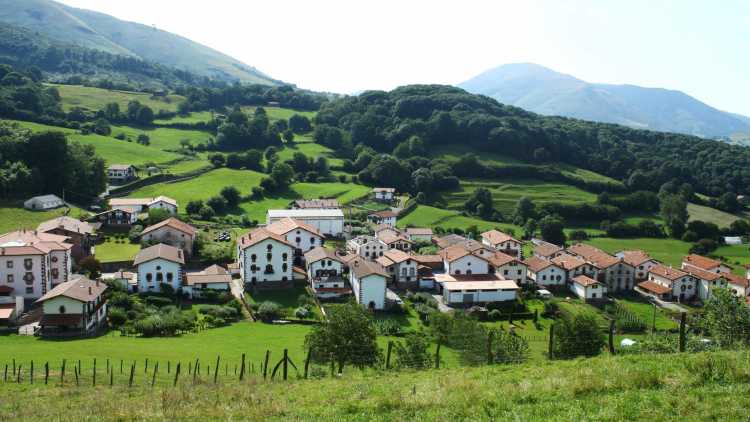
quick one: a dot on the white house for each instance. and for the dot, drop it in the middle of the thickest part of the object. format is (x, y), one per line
(74, 308)
(33, 263)
(706, 281)
(387, 218)
(470, 289)
(419, 234)
(328, 222)
(172, 232)
(703, 263)
(508, 267)
(366, 246)
(587, 288)
(157, 265)
(394, 239)
(669, 283)
(368, 281)
(546, 250)
(503, 242)
(738, 285)
(136, 206)
(574, 266)
(544, 272)
(303, 236)
(610, 270)
(384, 194)
(640, 261)
(401, 267)
(265, 259)
(163, 203)
(121, 173)
(43, 202)
(214, 278)
(457, 260)
(325, 272)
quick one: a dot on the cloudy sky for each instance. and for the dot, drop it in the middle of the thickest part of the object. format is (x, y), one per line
(699, 47)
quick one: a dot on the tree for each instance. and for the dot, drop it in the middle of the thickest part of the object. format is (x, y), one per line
(551, 228)
(194, 207)
(673, 209)
(282, 175)
(143, 139)
(529, 229)
(510, 348)
(288, 135)
(218, 204)
(577, 335)
(156, 215)
(217, 160)
(525, 210)
(480, 203)
(206, 212)
(728, 202)
(414, 351)
(347, 338)
(299, 124)
(232, 196)
(91, 267)
(185, 143)
(727, 318)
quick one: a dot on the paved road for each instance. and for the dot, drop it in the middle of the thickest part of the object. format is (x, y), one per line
(442, 307)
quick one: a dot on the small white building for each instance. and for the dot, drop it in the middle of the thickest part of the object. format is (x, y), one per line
(468, 289)
(265, 259)
(707, 281)
(126, 279)
(419, 234)
(43, 202)
(157, 265)
(366, 246)
(394, 239)
(545, 250)
(303, 236)
(504, 243)
(545, 273)
(328, 222)
(74, 308)
(368, 281)
(738, 285)
(121, 173)
(669, 283)
(457, 260)
(136, 206)
(587, 288)
(508, 267)
(172, 232)
(325, 272)
(384, 194)
(214, 278)
(640, 261)
(401, 267)
(387, 218)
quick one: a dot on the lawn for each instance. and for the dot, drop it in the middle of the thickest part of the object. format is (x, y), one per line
(736, 255)
(187, 165)
(427, 216)
(164, 138)
(453, 152)
(191, 118)
(116, 247)
(586, 175)
(577, 307)
(310, 149)
(94, 99)
(278, 113)
(288, 299)
(669, 251)
(711, 215)
(113, 151)
(13, 216)
(645, 311)
(507, 191)
(344, 192)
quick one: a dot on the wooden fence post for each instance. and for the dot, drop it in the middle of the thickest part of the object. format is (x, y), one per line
(153, 378)
(93, 379)
(653, 319)
(682, 331)
(18, 377)
(388, 355)
(62, 373)
(551, 347)
(242, 368)
(169, 366)
(132, 372)
(437, 357)
(265, 364)
(145, 369)
(195, 370)
(490, 357)
(5, 373)
(31, 373)
(46, 372)
(307, 362)
(612, 336)
(285, 363)
(216, 370)
(176, 374)
(112, 377)
(14, 366)
(75, 372)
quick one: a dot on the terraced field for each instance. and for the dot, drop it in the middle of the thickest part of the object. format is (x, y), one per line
(94, 99)
(427, 216)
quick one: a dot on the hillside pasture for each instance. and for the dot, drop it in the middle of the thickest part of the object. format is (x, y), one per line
(13, 216)
(278, 113)
(668, 251)
(427, 216)
(94, 99)
(190, 118)
(453, 152)
(310, 149)
(710, 215)
(164, 138)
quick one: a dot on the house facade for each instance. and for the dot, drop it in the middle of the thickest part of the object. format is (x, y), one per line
(401, 267)
(610, 270)
(419, 234)
(328, 222)
(703, 263)
(384, 194)
(387, 218)
(545, 273)
(74, 308)
(157, 265)
(587, 288)
(640, 261)
(214, 278)
(457, 260)
(368, 281)
(394, 239)
(325, 272)
(508, 267)
(113, 218)
(467, 290)
(503, 242)
(80, 234)
(171, 232)
(33, 263)
(265, 259)
(366, 246)
(121, 173)
(303, 236)
(675, 284)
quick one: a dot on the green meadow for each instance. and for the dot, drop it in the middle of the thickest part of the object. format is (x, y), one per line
(94, 99)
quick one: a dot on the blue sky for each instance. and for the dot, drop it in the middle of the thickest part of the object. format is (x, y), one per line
(699, 47)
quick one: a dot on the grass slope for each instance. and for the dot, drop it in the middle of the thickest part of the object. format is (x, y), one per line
(669, 251)
(652, 387)
(13, 216)
(710, 215)
(427, 216)
(94, 99)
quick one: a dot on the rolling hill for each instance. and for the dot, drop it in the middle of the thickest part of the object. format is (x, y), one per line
(98, 31)
(544, 91)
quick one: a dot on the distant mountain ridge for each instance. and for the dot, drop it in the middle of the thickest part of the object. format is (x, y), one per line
(103, 32)
(544, 91)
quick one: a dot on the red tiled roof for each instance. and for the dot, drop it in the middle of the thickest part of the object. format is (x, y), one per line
(81, 289)
(667, 272)
(701, 262)
(170, 253)
(584, 281)
(537, 264)
(498, 259)
(568, 262)
(547, 249)
(287, 224)
(737, 280)
(496, 236)
(596, 256)
(635, 258)
(173, 223)
(258, 235)
(654, 287)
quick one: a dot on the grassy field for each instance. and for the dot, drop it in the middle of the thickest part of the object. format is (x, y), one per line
(645, 311)
(95, 99)
(586, 175)
(707, 386)
(344, 192)
(736, 255)
(164, 138)
(310, 149)
(669, 251)
(116, 247)
(507, 192)
(193, 117)
(427, 216)
(453, 152)
(113, 151)
(13, 216)
(711, 215)
(278, 113)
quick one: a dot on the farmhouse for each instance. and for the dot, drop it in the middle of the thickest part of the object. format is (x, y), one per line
(544, 272)
(417, 234)
(384, 194)
(171, 232)
(610, 270)
(368, 281)
(401, 267)
(265, 259)
(366, 246)
(307, 204)
(457, 260)
(546, 250)
(113, 218)
(508, 267)
(703, 263)
(303, 236)
(587, 288)
(214, 278)
(472, 289)
(448, 240)
(121, 173)
(738, 285)
(387, 218)
(126, 279)
(640, 261)
(574, 266)
(328, 222)
(679, 284)
(395, 240)
(325, 270)
(79, 233)
(157, 265)
(33, 263)
(74, 308)
(136, 206)
(43, 202)
(503, 243)
(706, 281)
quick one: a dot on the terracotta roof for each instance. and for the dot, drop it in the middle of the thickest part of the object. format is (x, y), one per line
(701, 262)
(385, 262)
(667, 272)
(258, 235)
(385, 214)
(448, 240)
(6, 289)
(216, 269)
(81, 289)
(702, 274)
(397, 256)
(635, 258)
(319, 252)
(285, 225)
(362, 268)
(453, 253)
(584, 281)
(32, 242)
(114, 202)
(568, 262)
(654, 287)
(536, 264)
(388, 237)
(173, 223)
(473, 246)
(596, 256)
(428, 259)
(60, 319)
(498, 259)
(167, 252)
(419, 231)
(737, 280)
(20, 251)
(66, 223)
(316, 203)
(214, 274)
(163, 198)
(547, 249)
(496, 236)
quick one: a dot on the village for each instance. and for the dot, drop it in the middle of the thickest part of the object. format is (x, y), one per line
(311, 244)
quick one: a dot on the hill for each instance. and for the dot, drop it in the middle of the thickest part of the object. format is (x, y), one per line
(656, 387)
(102, 32)
(544, 91)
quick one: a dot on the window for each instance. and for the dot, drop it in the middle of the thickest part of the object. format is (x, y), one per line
(269, 247)
(55, 273)
(149, 277)
(54, 259)
(9, 264)
(29, 290)
(28, 263)
(62, 309)
(284, 267)
(505, 272)
(158, 268)
(544, 277)
(284, 257)
(170, 277)
(520, 272)
(457, 272)
(312, 240)
(10, 278)
(297, 239)
(160, 277)
(28, 278)
(253, 257)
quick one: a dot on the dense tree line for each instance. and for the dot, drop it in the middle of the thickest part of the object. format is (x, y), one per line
(216, 98)
(24, 97)
(442, 115)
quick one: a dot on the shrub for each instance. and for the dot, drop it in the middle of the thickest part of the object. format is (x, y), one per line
(413, 352)
(387, 327)
(268, 311)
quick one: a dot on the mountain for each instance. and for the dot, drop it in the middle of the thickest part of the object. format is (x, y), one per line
(544, 91)
(95, 30)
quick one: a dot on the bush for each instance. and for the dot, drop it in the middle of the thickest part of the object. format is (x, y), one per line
(413, 352)
(158, 301)
(387, 327)
(268, 311)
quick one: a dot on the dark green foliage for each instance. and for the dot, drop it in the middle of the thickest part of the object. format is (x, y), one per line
(577, 335)
(726, 318)
(348, 337)
(551, 228)
(299, 124)
(509, 347)
(413, 351)
(231, 195)
(268, 311)
(625, 320)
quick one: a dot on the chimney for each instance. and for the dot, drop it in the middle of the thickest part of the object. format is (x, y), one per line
(97, 282)
(90, 291)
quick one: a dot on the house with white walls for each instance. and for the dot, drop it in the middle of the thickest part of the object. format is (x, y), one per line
(368, 280)
(616, 274)
(508, 267)
(574, 266)
(157, 265)
(214, 278)
(504, 243)
(467, 290)
(738, 285)
(640, 261)
(76, 308)
(325, 272)
(384, 194)
(303, 236)
(706, 281)
(172, 232)
(395, 239)
(328, 222)
(546, 250)
(366, 246)
(669, 284)
(458, 260)
(33, 263)
(587, 288)
(265, 259)
(545, 273)
(401, 267)
(78, 233)
(387, 218)
(419, 234)
(704, 263)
